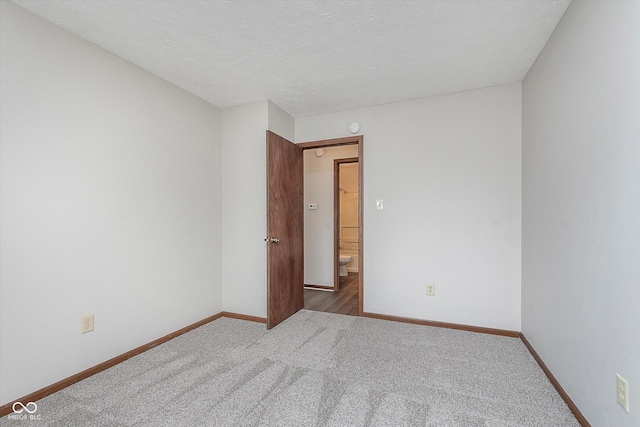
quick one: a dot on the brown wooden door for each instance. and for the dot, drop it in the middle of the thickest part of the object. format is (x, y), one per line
(285, 238)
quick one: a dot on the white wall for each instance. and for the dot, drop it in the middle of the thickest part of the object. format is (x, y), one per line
(448, 169)
(244, 227)
(109, 204)
(244, 259)
(319, 223)
(581, 207)
(281, 122)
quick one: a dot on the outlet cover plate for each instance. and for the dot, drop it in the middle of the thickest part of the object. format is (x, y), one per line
(622, 391)
(431, 289)
(86, 324)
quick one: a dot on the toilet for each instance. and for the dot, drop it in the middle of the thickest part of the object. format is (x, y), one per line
(342, 262)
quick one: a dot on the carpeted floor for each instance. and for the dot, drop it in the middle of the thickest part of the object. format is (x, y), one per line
(316, 369)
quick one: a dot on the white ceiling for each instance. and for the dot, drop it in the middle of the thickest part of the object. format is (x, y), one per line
(314, 57)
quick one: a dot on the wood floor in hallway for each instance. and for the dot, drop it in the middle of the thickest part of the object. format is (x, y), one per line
(345, 301)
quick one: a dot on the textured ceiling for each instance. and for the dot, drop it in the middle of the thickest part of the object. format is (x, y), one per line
(314, 57)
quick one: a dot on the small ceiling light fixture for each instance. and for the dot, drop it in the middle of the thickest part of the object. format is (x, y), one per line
(319, 152)
(354, 127)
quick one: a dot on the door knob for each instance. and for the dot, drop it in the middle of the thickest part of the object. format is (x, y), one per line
(274, 240)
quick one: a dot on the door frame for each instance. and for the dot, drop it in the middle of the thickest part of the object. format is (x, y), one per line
(336, 217)
(337, 142)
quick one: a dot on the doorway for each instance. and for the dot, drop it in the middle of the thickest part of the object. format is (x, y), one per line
(332, 292)
(346, 221)
(285, 260)
(331, 230)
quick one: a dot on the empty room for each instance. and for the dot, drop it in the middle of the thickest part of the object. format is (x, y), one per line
(320, 213)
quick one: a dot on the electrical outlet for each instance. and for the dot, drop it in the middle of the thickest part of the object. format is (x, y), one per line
(622, 392)
(431, 289)
(86, 324)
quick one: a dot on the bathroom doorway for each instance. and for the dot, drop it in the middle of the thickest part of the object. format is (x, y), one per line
(346, 222)
(325, 290)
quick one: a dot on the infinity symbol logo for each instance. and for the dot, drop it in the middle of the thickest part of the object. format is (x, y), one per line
(24, 407)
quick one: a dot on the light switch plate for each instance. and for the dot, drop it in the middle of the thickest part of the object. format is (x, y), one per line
(379, 205)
